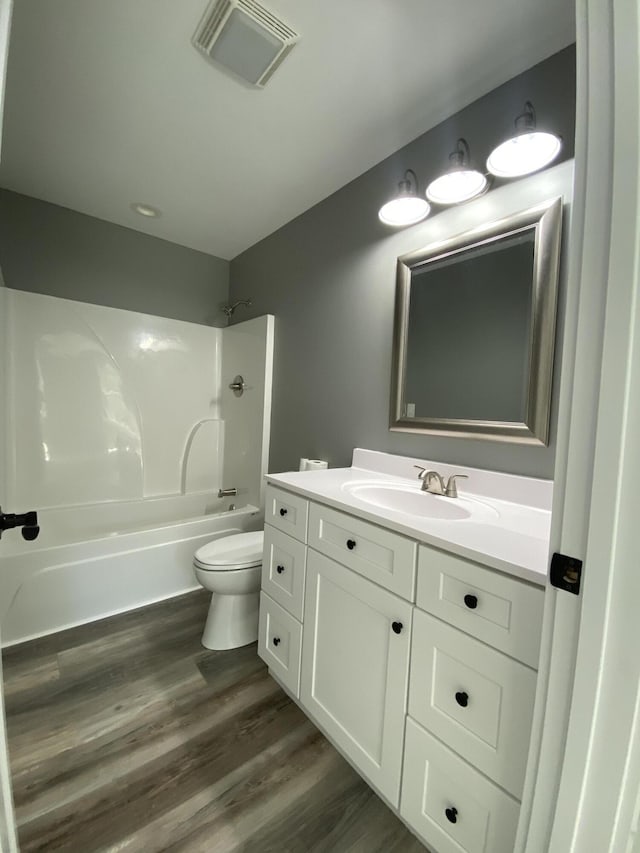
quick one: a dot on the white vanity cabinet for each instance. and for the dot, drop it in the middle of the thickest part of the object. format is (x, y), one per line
(418, 664)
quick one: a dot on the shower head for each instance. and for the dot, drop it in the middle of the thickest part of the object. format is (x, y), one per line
(229, 309)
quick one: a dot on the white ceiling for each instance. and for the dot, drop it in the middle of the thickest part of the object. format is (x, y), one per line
(108, 103)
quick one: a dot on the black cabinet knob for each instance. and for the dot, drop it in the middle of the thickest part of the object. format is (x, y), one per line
(276, 641)
(351, 544)
(471, 601)
(462, 699)
(452, 814)
(396, 627)
(283, 511)
(279, 569)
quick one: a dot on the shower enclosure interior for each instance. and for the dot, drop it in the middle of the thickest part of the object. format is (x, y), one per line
(120, 429)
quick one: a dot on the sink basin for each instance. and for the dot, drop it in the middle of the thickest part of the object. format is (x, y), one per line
(413, 501)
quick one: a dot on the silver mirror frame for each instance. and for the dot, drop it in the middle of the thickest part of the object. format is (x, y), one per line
(547, 220)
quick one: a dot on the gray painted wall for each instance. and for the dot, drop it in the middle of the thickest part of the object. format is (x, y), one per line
(329, 278)
(49, 249)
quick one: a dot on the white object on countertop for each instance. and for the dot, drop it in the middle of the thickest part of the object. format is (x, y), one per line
(312, 464)
(316, 465)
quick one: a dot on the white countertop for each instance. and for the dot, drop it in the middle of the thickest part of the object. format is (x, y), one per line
(513, 539)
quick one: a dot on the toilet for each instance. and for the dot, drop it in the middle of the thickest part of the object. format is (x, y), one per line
(230, 568)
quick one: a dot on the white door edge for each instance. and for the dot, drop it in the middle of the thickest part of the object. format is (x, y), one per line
(585, 794)
(8, 840)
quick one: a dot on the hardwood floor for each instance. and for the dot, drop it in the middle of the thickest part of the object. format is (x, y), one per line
(127, 735)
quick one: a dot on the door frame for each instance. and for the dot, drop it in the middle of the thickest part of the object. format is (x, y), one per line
(8, 837)
(583, 794)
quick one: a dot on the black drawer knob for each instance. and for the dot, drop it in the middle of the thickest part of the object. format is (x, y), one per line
(283, 511)
(279, 569)
(452, 814)
(471, 601)
(462, 699)
(396, 627)
(351, 544)
(276, 641)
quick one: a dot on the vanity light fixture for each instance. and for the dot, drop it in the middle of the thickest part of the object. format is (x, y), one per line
(408, 207)
(527, 151)
(460, 183)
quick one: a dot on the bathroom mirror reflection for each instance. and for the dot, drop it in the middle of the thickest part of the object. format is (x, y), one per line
(475, 328)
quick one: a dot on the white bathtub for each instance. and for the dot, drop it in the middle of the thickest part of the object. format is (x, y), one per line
(97, 560)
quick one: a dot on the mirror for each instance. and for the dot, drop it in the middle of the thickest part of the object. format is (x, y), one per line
(475, 330)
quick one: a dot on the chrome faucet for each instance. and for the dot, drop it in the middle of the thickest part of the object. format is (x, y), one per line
(433, 483)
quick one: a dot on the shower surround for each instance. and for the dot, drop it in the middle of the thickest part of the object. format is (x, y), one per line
(119, 430)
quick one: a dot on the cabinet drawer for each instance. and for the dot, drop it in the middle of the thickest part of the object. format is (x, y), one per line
(283, 568)
(501, 611)
(380, 555)
(287, 512)
(450, 805)
(475, 699)
(280, 643)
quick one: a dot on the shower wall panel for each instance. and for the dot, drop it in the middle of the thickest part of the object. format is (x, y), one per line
(104, 403)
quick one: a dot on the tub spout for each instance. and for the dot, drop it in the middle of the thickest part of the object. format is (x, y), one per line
(227, 493)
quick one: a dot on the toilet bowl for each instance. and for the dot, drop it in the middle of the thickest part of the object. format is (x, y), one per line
(230, 568)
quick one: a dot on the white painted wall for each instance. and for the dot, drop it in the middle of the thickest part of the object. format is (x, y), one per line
(103, 404)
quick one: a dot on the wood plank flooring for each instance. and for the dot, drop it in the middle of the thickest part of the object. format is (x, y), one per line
(127, 735)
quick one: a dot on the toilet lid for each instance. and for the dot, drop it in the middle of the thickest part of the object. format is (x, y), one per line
(238, 551)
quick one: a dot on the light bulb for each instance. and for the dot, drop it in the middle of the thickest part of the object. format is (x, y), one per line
(404, 210)
(523, 154)
(456, 186)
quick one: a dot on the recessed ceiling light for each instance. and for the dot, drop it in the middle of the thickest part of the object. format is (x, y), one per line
(146, 210)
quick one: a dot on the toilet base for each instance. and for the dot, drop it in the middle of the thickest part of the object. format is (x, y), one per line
(232, 621)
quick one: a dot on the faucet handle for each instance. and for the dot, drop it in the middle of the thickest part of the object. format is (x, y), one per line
(422, 470)
(451, 490)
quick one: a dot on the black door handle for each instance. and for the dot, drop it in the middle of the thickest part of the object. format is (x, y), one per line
(283, 511)
(351, 544)
(279, 569)
(28, 521)
(397, 627)
(276, 641)
(471, 601)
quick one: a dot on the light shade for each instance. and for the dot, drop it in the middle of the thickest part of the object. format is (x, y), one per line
(461, 183)
(407, 207)
(528, 151)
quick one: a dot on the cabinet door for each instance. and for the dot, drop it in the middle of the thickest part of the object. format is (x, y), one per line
(355, 668)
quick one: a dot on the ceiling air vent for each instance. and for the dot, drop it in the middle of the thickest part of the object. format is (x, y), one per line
(245, 38)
